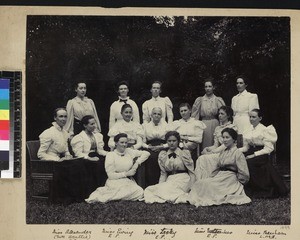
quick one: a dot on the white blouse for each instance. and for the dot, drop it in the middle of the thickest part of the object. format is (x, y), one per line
(244, 102)
(115, 111)
(260, 136)
(78, 108)
(191, 128)
(132, 129)
(162, 102)
(81, 144)
(117, 164)
(53, 143)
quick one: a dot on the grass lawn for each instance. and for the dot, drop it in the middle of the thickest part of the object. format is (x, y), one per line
(260, 211)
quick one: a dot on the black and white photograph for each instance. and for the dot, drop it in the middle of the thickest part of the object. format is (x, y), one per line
(158, 120)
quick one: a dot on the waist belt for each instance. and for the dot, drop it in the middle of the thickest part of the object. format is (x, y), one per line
(176, 171)
(208, 118)
(227, 169)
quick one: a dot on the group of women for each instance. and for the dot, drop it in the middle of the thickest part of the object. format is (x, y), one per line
(158, 161)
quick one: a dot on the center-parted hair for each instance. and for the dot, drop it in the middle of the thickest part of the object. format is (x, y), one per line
(172, 133)
(231, 132)
(185, 105)
(86, 119)
(56, 110)
(229, 112)
(118, 136)
(258, 111)
(126, 105)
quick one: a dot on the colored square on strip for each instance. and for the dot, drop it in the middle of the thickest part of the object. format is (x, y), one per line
(4, 83)
(4, 114)
(4, 104)
(4, 134)
(4, 125)
(4, 94)
(4, 155)
(4, 145)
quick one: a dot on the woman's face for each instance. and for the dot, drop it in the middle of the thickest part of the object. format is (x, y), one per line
(240, 84)
(185, 112)
(254, 118)
(155, 90)
(222, 116)
(121, 145)
(91, 126)
(61, 117)
(81, 89)
(127, 114)
(172, 143)
(123, 91)
(209, 88)
(156, 115)
(227, 140)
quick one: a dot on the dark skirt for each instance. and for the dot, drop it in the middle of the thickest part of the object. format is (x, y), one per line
(75, 180)
(264, 181)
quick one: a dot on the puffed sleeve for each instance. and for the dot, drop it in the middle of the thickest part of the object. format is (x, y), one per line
(135, 113)
(112, 133)
(146, 114)
(139, 136)
(173, 126)
(111, 169)
(233, 104)
(100, 144)
(45, 142)
(77, 146)
(142, 156)
(95, 115)
(162, 157)
(189, 164)
(242, 167)
(169, 111)
(196, 108)
(269, 139)
(112, 118)
(70, 117)
(253, 102)
(198, 132)
(220, 102)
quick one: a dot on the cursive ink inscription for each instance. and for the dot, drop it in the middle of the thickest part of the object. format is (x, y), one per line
(266, 234)
(117, 233)
(163, 233)
(212, 232)
(71, 234)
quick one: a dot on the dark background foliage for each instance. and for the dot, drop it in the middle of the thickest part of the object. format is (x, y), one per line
(181, 52)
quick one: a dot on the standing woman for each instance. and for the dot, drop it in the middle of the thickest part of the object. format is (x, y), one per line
(77, 108)
(89, 145)
(154, 140)
(176, 174)
(120, 167)
(206, 109)
(115, 109)
(133, 129)
(226, 185)
(190, 129)
(259, 142)
(242, 104)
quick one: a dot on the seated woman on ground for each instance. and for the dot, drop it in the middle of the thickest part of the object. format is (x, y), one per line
(120, 167)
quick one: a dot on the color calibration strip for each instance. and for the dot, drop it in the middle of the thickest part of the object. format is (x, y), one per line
(4, 123)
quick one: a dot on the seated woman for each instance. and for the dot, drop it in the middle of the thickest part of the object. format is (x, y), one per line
(133, 129)
(54, 140)
(176, 174)
(69, 183)
(89, 145)
(208, 161)
(120, 167)
(154, 140)
(226, 185)
(190, 129)
(258, 144)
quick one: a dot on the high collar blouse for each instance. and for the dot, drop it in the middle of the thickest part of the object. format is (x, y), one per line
(152, 131)
(260, 136)
(244, 102)
(53, 143)
(163, 102)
